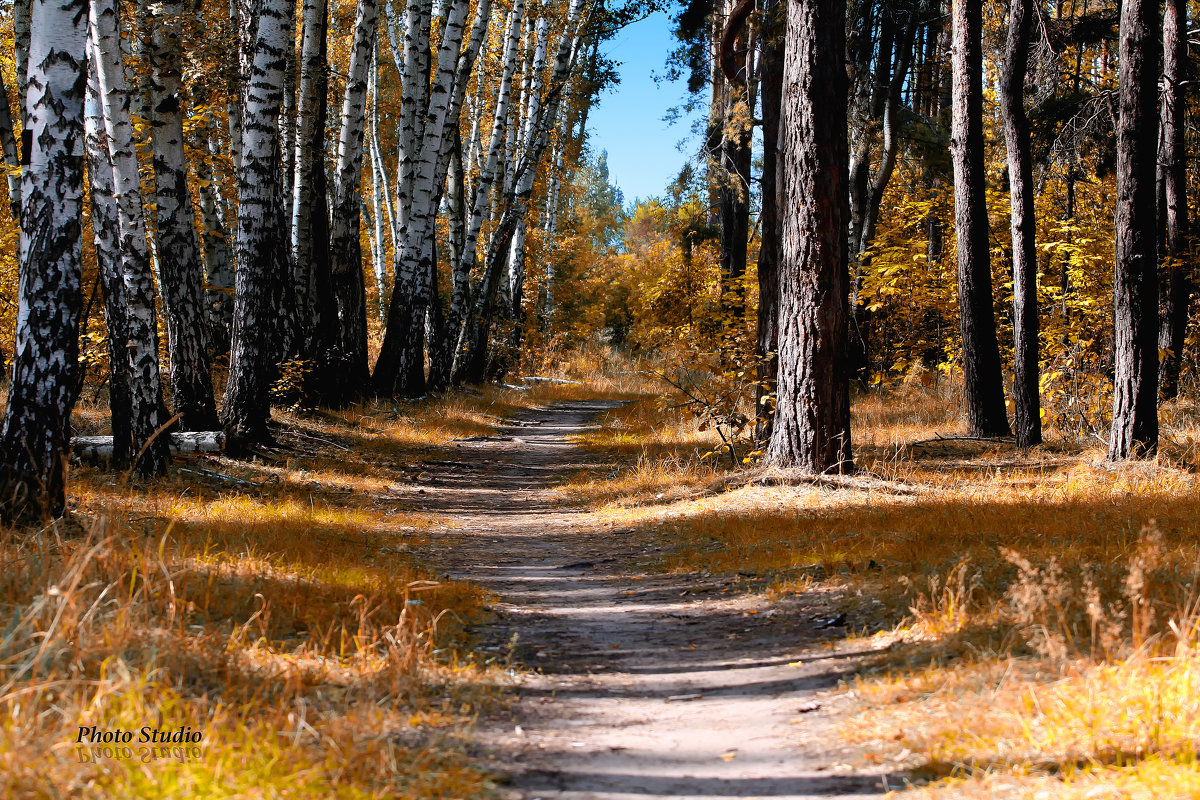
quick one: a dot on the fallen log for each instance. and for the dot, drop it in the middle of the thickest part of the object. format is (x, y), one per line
(99, 449)
(555, 381)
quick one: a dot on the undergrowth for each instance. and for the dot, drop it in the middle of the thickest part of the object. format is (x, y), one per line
(1034, 612)
(273, 608)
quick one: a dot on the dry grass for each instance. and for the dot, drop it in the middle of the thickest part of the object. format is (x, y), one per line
(270, 605)
(1036, 611)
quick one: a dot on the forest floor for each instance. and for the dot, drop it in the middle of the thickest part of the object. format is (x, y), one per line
(633, 683)
(564, 593)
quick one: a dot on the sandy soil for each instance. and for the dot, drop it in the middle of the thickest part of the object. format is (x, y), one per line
(633, 684)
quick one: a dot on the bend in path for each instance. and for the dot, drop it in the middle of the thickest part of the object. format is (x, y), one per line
(636, 684)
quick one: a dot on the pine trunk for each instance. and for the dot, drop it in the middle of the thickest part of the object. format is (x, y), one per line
(1174, 159)
(1026, 383)
(766, 347)
(1135, 384)
(812, 418)
(36, 432)
(983, 383)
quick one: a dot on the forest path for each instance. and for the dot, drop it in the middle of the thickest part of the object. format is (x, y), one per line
(633, 684)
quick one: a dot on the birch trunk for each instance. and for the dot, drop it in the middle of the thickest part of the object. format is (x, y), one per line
(260, 239)
(139, 342)
(218, 262)
(310, 207)
(8, 146)
(180, 268)
(348, 289)
(36, 430)
(401, 368)
(464, 265)
(105, 231)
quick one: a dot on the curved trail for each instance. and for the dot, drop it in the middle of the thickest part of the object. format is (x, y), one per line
(638, 685)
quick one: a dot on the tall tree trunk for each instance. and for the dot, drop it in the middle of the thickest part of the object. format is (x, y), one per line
(1026, 385)
(1174, 159)
(260, 239)
(1135, 385)
(460, 298)
(767, 342)
(401, 368)
(983, 384)
(346, 275)
(180, 267)
(218, 261)
(139, 340)
(310, 209)
(8, 147)
(106, 225)
(36, 433)
(812, 419)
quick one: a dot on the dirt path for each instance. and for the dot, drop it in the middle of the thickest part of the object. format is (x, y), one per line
(639, 685)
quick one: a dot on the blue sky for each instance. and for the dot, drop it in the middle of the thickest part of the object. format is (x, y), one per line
(628, 122)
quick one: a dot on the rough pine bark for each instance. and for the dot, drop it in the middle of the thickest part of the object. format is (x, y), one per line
(771, 83)
(180, 267)
(812, 418)
(346, 275)
(1026, 385)
(1135, 384)
(982, 380)
(1173, 158)
(36, 432)
(139, 342)
(260, 238)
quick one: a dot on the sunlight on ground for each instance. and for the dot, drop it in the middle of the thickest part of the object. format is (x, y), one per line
(1036, 612)
(271, 606)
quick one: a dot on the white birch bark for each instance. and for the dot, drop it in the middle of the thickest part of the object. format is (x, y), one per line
(180, 267)
(259, 238)
(400, 368)
(349, 290)
(105, 232)
(8, 147)
(310, 209)
(35, 435)
(139, 341)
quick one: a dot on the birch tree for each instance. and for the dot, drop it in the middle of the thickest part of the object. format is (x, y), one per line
(348, 289)
(260, 238)
(138, 344)
(36, 432)
(310, 208)
(180, 267)
(400, 368)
